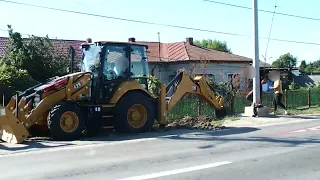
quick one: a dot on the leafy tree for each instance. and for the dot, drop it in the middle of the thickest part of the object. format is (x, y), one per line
(285, 61)
(213, 44)
(303, 64)
(312, 67)
(16, 78)
(38, 56)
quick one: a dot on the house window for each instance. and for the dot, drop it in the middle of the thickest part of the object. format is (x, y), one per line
(210, 76)
(236, 80)
(171, 77)
(231, 75)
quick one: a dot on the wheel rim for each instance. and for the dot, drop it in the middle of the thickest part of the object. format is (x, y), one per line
(137, 116)
(69, 121)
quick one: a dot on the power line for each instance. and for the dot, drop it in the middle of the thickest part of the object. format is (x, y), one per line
(7, 30)
(123, 19)
(151, 23)
(275, 6)
(266, 11)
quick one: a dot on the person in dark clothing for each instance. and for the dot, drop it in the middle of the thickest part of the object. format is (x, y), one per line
(250, 94)
(250, 98)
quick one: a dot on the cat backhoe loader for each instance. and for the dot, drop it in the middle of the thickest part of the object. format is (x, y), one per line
(111, 90)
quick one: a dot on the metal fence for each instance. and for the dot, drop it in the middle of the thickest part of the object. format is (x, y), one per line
(293, 99)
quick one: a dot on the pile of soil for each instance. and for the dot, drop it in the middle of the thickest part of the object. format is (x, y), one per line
(200, 122)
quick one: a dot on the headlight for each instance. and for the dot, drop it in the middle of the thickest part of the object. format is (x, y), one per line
(36, 99)
(2, 111)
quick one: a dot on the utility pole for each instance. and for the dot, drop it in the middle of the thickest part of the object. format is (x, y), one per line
(256, 79)
(159, 45)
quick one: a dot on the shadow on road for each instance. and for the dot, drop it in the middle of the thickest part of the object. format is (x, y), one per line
(222, 139)
(111, 136)
(171, 133)
(29, 145)
(216, 137)
(303, 117)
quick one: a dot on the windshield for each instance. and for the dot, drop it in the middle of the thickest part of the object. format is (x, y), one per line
(90, 59)
(139, 62)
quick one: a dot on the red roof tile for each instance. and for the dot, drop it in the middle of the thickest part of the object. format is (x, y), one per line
(184, 51)
(169, 52)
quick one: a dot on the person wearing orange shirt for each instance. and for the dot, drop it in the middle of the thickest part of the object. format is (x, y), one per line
(278, 93)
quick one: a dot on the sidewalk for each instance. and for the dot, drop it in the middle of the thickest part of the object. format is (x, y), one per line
(270, 120)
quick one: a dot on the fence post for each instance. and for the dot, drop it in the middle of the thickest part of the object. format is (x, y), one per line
(286, 98)
(309, 98)
(3, 100)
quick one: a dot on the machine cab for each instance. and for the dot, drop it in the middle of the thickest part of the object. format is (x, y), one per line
(112, 63)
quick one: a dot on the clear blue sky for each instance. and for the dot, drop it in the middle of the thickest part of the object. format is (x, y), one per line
(190, 13)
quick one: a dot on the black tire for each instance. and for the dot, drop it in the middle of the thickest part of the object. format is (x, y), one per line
(121, 111)
(221, 113)
(56, 131)
(39, 131)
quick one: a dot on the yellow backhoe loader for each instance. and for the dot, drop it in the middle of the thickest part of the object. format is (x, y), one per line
(105, 93)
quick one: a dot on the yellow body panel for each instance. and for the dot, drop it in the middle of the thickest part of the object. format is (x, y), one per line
(162, 105)
(11, 129)
(126, 87)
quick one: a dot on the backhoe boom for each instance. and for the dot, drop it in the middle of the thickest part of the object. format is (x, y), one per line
(183, 84)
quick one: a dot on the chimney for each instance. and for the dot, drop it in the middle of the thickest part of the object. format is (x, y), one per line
(190, 40)
(89, 40)
(132, 39)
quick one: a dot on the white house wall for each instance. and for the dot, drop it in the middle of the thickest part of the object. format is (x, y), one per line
(219, 70)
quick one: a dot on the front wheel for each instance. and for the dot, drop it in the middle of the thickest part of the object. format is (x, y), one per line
(134, 113)
(65, 122)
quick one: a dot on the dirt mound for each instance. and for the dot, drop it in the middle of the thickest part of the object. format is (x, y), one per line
(201, 122)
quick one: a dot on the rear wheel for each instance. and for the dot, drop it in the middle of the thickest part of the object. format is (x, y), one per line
(134, 113)
(66, 122)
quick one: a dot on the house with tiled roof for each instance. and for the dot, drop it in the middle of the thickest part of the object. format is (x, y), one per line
(166, 58)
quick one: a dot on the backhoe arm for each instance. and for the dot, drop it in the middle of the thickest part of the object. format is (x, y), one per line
(183, 84)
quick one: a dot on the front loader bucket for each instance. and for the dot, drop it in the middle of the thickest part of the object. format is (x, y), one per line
(11, 129)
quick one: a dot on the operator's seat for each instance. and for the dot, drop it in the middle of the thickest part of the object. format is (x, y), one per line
(121, 65)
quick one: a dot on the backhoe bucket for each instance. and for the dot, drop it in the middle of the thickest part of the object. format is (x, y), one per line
(11, 129)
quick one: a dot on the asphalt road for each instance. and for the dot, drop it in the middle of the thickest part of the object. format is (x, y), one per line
(283, 152)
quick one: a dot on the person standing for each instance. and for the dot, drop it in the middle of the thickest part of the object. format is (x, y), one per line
(278, 93)
(250, 98)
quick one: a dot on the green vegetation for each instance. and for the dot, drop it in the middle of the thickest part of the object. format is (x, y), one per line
(285, 61)
(213, 44)
(310, 68)
(29, 61)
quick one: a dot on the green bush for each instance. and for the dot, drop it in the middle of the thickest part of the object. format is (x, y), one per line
(18, 79)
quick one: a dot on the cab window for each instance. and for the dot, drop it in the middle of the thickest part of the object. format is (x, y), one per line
(116, 64)
(139, 61)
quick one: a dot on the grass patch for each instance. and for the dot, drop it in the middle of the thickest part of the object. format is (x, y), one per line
(303, 110)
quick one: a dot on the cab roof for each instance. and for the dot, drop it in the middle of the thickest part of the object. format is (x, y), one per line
(112, 42)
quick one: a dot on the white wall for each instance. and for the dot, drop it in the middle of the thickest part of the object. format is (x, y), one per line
(219, 70)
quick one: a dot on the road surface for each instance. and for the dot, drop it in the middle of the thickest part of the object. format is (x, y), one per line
(285, 152)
